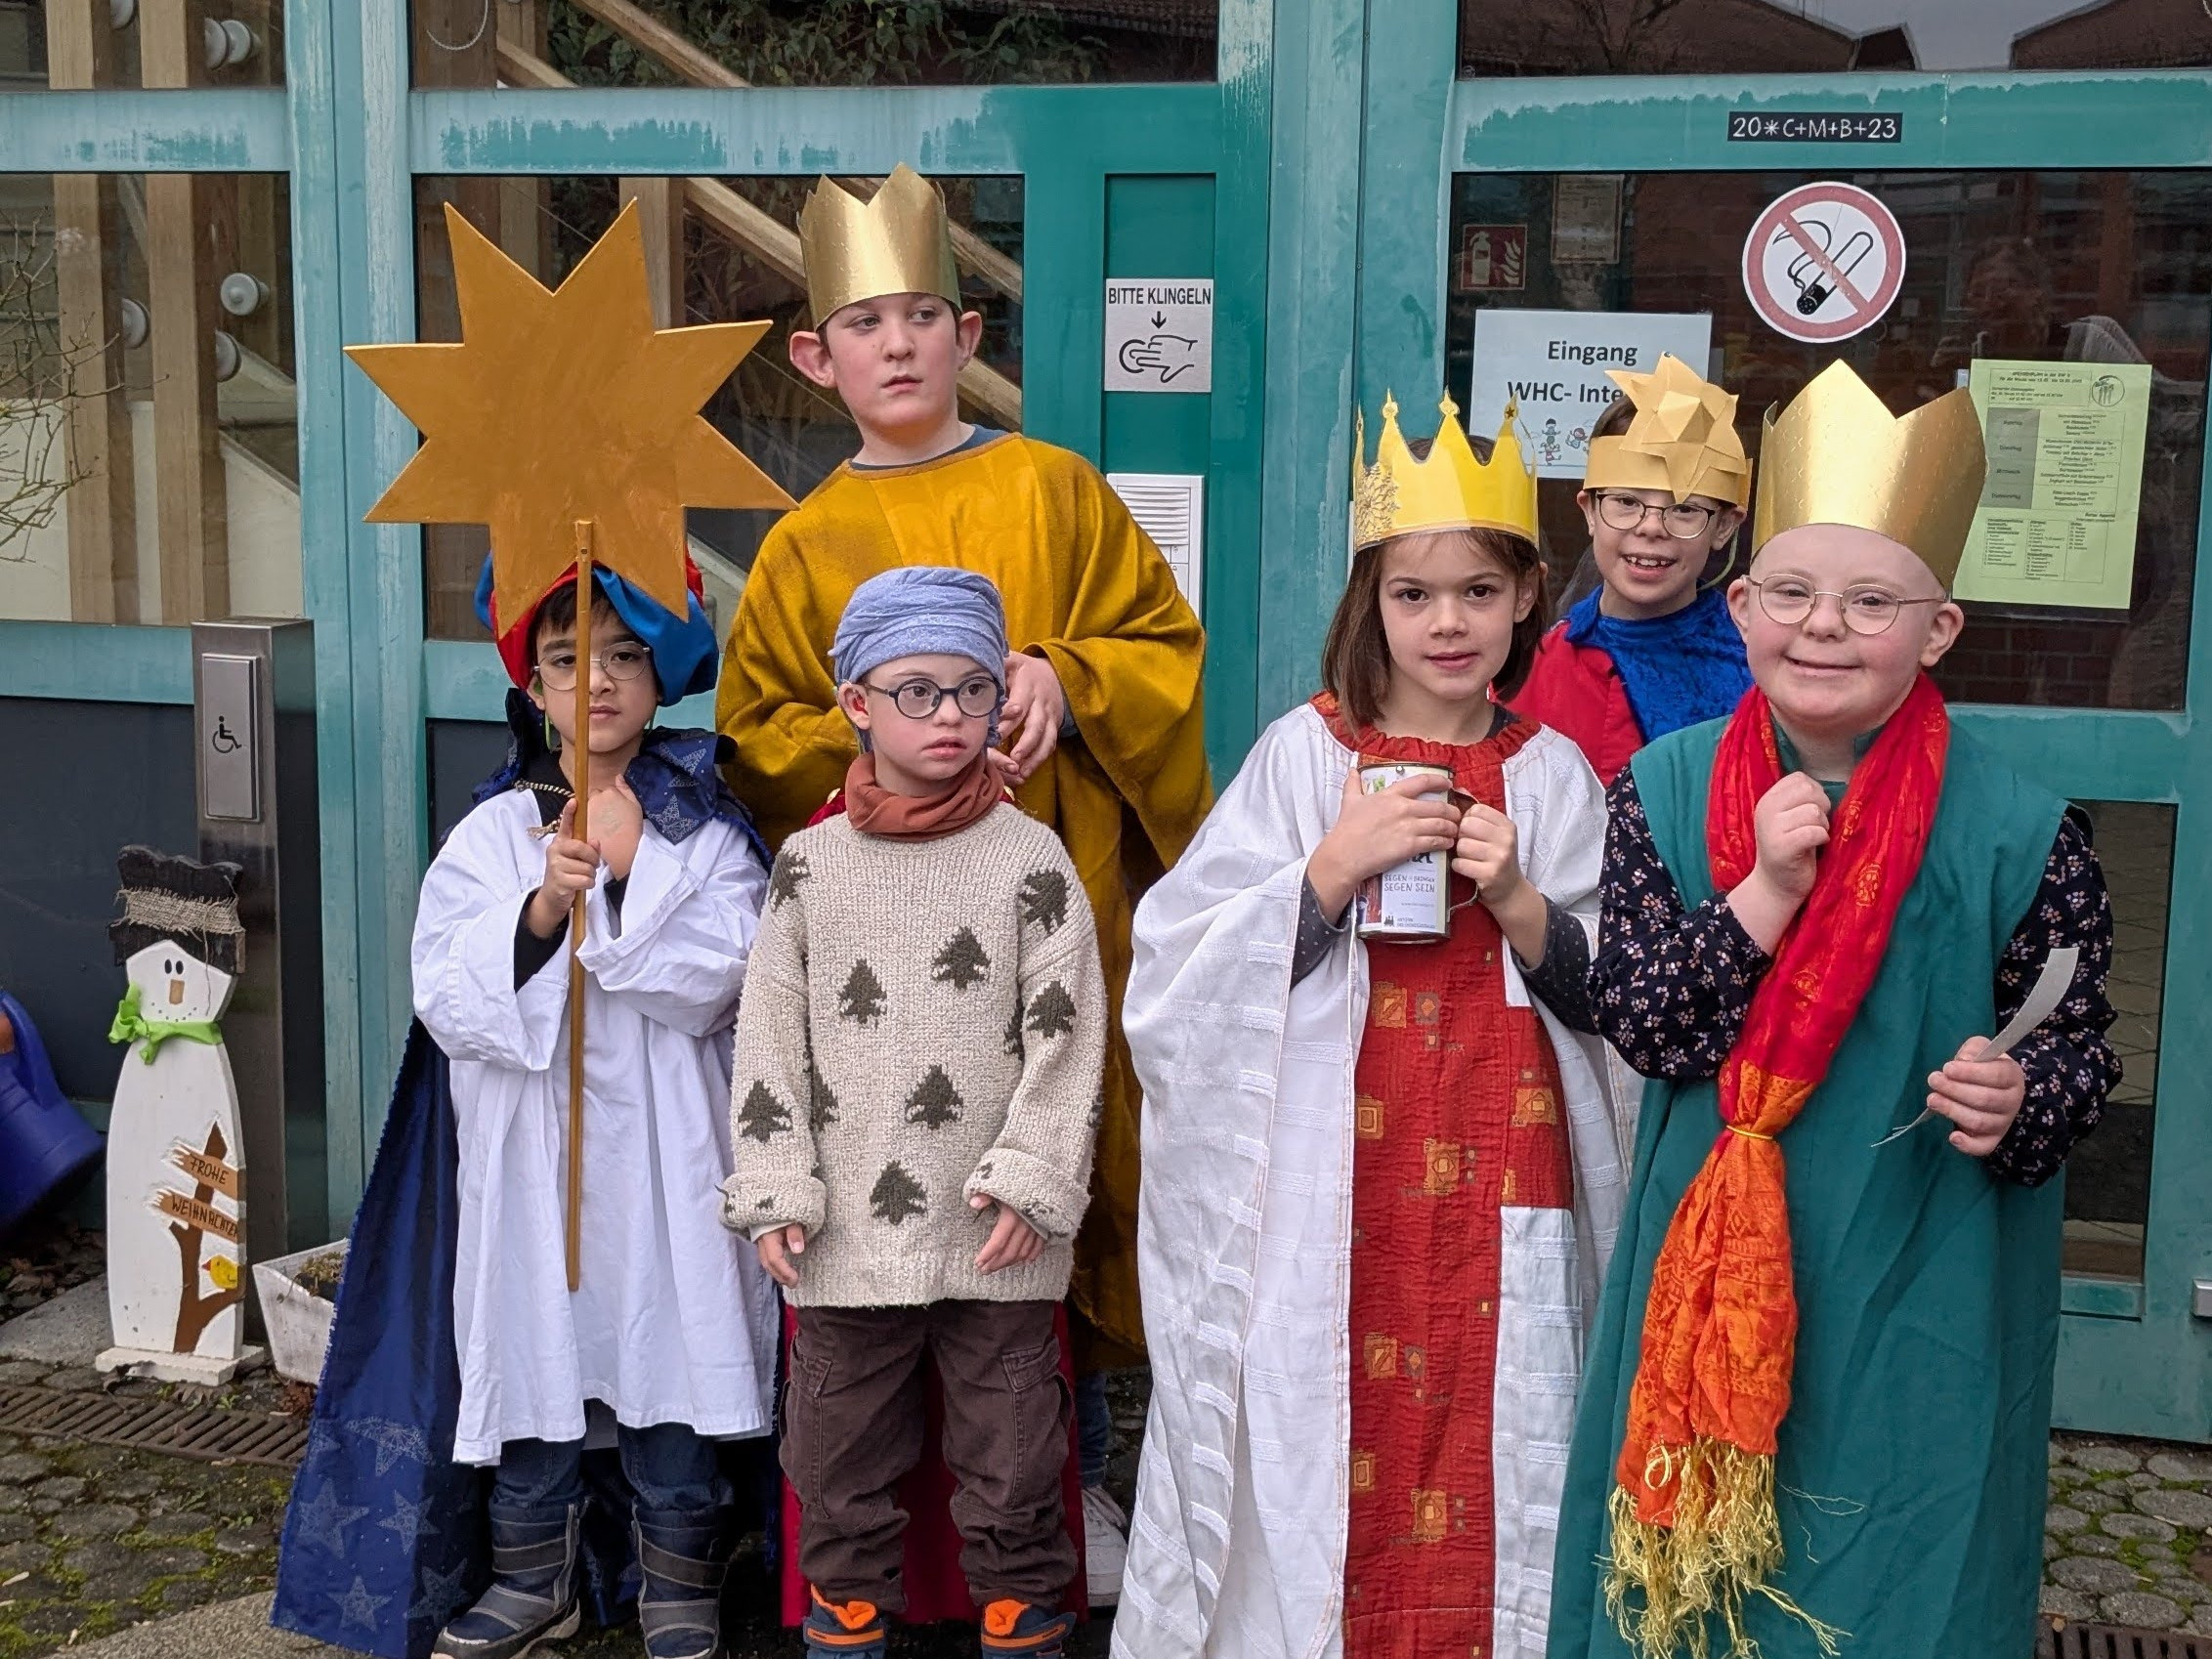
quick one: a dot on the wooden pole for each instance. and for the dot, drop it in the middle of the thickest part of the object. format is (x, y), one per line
(581, 779)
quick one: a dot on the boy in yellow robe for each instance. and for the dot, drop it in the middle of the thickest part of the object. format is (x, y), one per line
(1103, 717)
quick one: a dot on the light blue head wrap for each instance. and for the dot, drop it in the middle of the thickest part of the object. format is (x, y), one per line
(920, 611)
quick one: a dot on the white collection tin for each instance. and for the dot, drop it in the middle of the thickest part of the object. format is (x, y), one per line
(1413, 902)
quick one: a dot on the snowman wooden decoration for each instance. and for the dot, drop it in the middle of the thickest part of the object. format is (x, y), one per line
(176, 1166)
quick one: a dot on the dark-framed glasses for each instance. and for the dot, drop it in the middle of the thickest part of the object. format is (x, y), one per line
(1684, 521)
(557, 668)
(917, 700)
(1866, 610)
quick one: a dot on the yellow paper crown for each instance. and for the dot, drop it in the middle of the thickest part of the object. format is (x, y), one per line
(1838, 457)
(1683, 440)
(897, 243)
(1450, 489)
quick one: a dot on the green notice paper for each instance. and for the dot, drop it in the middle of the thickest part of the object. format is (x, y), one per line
(2057, 518)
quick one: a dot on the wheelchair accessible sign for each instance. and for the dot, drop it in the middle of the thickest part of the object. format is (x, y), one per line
(1824, 262)
(1159, 334)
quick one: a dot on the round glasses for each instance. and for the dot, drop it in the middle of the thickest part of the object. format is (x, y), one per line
(919, 700)
(1789, 601)
(557, 668)
(1684, 521)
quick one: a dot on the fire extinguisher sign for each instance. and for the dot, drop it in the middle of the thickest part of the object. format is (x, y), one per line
(1824, 262)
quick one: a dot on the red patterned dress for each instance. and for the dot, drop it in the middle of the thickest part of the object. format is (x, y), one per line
(1457, 1116)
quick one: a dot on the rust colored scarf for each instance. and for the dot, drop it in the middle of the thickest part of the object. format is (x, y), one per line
(877, 811)
(1693, 1519)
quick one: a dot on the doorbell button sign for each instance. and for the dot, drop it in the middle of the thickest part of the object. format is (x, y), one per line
(1159, 334)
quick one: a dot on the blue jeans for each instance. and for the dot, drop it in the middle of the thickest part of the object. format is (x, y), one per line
(1094, 1426)
(668, 1466)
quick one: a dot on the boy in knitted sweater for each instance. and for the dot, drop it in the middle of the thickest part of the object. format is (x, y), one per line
(914, 1105)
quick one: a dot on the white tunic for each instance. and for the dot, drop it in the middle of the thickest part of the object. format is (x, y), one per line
(1243, 1230)
(674, 1322)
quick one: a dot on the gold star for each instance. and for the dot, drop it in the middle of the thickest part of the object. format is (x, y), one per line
(567, 405)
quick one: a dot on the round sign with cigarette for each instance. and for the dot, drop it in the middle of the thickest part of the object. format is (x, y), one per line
(1823, 262)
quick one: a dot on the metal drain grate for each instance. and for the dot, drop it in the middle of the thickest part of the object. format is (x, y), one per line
(2116, 1641)
(156, 1425)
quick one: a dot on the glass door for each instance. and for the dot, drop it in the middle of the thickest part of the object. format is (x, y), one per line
(2037, 160)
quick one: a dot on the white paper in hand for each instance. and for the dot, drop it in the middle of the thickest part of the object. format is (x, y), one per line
(2049, 991)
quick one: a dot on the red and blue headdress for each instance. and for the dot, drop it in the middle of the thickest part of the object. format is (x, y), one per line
(683, 647)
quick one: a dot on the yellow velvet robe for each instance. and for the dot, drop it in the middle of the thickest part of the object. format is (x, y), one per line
(1086, 589)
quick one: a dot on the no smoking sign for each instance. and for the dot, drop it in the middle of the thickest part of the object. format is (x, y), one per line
(1823, 262)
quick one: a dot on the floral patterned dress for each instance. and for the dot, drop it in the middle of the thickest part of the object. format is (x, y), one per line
(1457, 1118)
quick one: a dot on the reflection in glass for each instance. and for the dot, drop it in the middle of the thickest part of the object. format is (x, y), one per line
(72, 45)
(2108, 1175)
(721, 250)
(2075, 266)
(148, 444)
(1691, 37)
(732, 43)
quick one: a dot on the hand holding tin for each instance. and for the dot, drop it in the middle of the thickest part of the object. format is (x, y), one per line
(1378, 831)
(1488, 854)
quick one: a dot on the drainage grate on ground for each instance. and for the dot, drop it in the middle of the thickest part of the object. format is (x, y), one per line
(157, 1425)
(2060, 1640)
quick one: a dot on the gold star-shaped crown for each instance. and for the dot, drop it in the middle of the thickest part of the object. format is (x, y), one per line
(897, 243)
(565, 405)
(1838, 457)
(1683, 440)
(1450, 489)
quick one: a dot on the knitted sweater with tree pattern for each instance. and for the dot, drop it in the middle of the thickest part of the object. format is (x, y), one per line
(923, 1021)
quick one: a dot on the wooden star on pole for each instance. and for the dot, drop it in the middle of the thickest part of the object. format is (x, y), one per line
(565, 405)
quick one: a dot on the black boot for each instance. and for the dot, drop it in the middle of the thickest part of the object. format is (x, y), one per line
(533, 1597)
(684, 1555)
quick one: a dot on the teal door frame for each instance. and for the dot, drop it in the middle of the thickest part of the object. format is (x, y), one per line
(2131, 1359)
(1119, 181)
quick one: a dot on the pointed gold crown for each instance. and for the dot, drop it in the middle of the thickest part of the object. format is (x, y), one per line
(897, 243)
(1683, 440)
(1838, 457)
(1450, 489)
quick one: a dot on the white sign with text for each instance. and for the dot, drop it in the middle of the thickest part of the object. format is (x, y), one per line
(1159, 334)
(1553, 364)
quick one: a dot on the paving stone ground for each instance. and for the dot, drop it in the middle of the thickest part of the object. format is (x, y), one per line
(2125, 1535)
(96, 1541)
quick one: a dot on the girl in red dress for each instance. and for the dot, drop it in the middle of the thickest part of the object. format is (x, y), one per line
(1438, 1364)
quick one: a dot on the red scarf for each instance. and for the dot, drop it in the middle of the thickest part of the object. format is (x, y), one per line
(1694, 1526)
(877, 811)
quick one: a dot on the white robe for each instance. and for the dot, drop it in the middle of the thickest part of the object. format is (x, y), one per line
(674, 1321)
(1244, 1232)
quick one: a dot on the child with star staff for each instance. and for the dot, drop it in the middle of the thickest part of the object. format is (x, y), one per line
(538, 1243)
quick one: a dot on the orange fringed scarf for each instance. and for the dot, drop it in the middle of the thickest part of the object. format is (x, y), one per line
(1694, 1524)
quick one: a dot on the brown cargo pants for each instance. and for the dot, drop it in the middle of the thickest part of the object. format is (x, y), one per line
(853, 1420)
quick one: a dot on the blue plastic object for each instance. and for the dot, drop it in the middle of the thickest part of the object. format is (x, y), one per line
(44, 1143)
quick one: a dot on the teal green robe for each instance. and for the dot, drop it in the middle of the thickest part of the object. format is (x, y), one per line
(1911, 1476)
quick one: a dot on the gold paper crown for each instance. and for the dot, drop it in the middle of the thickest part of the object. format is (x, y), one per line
(1682, 441)
(897, 243)
(1450, 489)
(1838, 457)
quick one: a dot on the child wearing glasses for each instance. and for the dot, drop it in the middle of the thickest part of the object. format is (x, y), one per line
(672, 1329)
(913, 1106)
(1649, 651)
(1816, 1404)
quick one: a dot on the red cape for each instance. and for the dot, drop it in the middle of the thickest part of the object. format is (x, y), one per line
(1577, 692)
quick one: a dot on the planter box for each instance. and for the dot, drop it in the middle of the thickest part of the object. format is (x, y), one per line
(298, 1320)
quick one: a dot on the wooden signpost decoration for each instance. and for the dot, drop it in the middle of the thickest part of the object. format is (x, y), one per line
(569, 425)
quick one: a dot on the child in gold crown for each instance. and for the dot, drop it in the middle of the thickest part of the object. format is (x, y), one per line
(1105, 736)
(1650, 650)
(1819, 1386)
(1380, 1175)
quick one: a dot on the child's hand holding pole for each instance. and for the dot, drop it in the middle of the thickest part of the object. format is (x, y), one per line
(571, 868)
